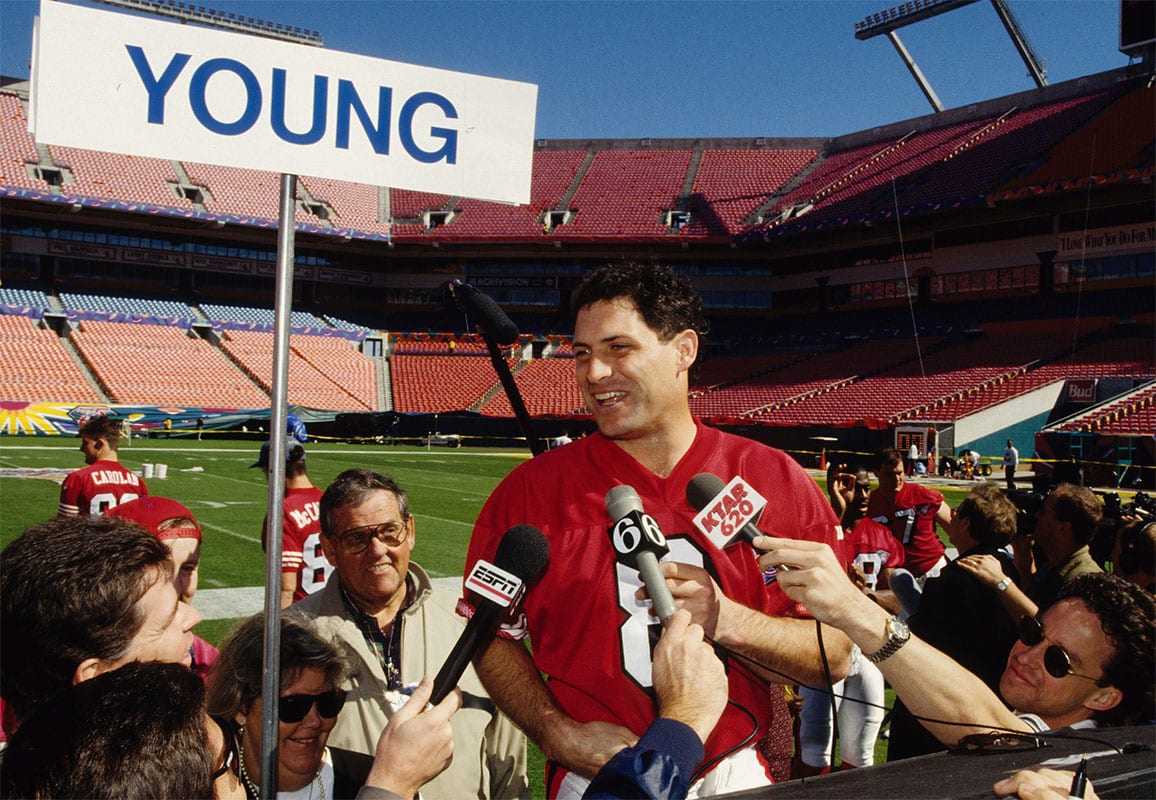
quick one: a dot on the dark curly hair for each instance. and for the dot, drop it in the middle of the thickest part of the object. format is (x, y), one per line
(666, 300)
(1127, 616)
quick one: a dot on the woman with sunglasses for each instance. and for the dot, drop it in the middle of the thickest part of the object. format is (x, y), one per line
(313, 670)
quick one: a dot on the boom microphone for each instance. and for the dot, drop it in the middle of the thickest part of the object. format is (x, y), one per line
(521, 557)
(638, 542)
(486, 313)
(727, 512)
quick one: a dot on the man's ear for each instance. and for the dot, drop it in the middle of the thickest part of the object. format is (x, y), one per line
(89, 669)
(1104, 698)
(686, 344)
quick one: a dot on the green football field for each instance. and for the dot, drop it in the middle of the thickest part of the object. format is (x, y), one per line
(446, 486)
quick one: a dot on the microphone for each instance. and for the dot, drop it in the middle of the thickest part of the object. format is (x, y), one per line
(727, 513)
(487, 314)
(521, 557)
(638, 542)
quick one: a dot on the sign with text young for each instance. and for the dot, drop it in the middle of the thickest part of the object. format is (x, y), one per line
(119, 83)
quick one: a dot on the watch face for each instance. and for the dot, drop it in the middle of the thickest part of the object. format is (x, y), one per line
(899, 629)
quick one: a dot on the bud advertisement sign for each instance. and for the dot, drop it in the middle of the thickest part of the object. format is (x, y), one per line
(120, 83)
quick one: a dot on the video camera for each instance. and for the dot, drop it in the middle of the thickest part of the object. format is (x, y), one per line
(1116, 515)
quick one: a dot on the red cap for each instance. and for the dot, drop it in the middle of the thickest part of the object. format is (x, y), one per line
(150, 512)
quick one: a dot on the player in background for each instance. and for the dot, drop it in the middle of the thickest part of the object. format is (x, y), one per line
(104, 483)
(304, 568)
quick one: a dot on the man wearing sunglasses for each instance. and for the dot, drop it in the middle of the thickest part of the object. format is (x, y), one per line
(400, 626)
(1088, 659)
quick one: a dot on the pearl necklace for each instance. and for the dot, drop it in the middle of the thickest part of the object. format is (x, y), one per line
(253, 790)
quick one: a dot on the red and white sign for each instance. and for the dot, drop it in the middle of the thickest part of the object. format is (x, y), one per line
(723, 517)
(1081, 390)
(494, 583)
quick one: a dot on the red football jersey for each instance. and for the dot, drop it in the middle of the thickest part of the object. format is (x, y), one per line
(94, 489)
(590, 635)
(873, 548)
(301, 541)
(912, 521)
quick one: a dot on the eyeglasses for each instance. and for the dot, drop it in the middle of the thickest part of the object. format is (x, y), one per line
(1056, 659)
(356, 540)
(293, 707)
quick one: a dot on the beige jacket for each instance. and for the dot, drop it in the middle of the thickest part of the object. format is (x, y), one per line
(489, 750)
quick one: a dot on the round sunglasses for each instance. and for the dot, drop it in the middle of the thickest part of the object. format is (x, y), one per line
(1057, 662)
(293, 707)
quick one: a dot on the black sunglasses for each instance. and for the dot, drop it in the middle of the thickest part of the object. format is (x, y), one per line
(294, 707)
(1056, 659)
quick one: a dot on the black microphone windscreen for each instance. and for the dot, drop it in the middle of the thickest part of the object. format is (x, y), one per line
(703, 488)
(523, 551)
(490, 316)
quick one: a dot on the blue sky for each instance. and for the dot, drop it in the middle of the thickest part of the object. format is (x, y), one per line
(688, 68)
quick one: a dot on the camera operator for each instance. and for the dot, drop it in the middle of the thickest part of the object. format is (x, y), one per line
(1134, 556)
(1065, 525)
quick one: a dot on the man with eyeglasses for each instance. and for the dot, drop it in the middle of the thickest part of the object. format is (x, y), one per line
(400, 626)
(1088, 659)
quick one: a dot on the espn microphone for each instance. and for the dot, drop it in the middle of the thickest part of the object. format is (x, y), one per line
(638, 542)
(521, 557)
(727, 512)
(486, 313)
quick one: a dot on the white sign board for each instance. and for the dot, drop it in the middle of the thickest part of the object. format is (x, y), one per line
(124, 84)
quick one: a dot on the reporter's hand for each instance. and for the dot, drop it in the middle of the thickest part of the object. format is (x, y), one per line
(417, 744)
(689, 679)
(1041, 784)
(985, 567)
(813, 576)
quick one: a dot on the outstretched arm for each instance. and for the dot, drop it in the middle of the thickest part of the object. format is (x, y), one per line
(987, 570)
(931, 684)
(514, 683)
(785, 648)
(417, 744)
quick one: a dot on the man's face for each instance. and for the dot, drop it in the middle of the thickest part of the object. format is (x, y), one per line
(91, 449)
(1048, 525)
(186, 553)
(632, 382)
(959, 531)
(1028, 687)
(166, 634)
(376, 575)
(890, 478)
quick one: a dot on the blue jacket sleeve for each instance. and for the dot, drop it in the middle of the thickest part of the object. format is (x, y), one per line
(659, 767)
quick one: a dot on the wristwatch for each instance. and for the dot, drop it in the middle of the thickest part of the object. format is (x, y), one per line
(897, 635)
(1002, 585)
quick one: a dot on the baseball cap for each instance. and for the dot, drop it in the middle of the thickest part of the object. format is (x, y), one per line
(293, 452)
(149, 512)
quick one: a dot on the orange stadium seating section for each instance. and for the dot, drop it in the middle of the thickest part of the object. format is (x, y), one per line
(36, 365)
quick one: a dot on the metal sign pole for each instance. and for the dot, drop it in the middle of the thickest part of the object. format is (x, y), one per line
(283, 305)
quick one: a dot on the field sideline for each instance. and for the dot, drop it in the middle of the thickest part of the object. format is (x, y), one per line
(446, 486)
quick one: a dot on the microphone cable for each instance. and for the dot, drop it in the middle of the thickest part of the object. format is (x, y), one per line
(998, 735)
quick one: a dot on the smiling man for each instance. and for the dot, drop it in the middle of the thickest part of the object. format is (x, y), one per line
(83, 596)
(636, 340)
(400, 627)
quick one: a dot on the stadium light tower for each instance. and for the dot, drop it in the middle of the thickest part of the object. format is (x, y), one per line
(201, 15)
(887, 21)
